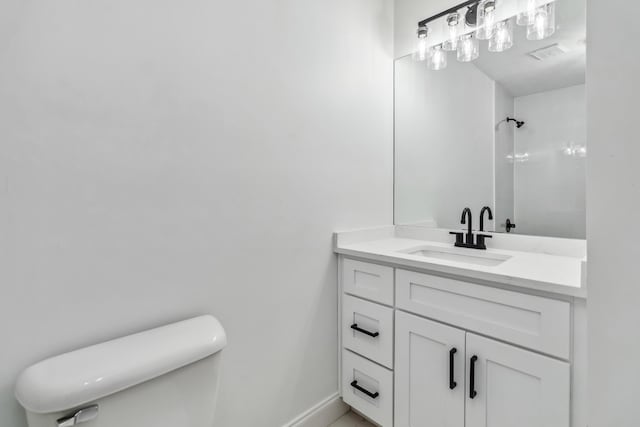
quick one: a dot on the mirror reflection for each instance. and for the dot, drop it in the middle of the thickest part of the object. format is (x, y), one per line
(506, 130)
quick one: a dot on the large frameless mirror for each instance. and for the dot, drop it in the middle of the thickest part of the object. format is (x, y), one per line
(490, 111)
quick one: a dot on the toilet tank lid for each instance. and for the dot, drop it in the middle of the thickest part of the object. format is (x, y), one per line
(82, 376)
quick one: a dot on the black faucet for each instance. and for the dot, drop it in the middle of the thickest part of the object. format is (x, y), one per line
(463, 220)
(468, 241)
(485, 209)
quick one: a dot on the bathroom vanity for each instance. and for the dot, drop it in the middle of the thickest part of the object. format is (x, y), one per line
(432, 335)
(485, 327)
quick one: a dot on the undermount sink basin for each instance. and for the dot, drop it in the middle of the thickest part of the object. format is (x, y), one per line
(469, 256)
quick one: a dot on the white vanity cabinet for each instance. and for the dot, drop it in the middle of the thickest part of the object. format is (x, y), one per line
(443, 373)
(423, 350)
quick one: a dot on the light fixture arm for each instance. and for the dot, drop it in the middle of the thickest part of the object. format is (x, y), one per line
(453, 9)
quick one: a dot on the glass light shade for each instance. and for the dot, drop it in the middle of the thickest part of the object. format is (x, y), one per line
(437, 58)
(452, 24)
(544, 23)
(468, 48)
(486, 19)
(528, 12)
(502, 38)
(421, 49)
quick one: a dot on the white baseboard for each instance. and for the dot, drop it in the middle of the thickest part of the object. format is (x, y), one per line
(322, 414)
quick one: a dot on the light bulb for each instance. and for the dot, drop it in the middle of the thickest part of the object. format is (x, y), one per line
(544, 23)
(437, 58)
(421, 50)
(468, 48)
(486, 19)
(502, 38)
(526, 16)
(451, 28)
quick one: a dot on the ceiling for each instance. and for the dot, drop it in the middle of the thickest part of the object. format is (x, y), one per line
(521, 74)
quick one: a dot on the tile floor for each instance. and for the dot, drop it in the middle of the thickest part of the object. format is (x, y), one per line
(351, 419)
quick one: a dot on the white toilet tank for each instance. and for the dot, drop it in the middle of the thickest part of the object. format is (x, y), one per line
(163, 377)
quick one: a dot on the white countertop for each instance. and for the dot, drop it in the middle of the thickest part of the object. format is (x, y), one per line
(559, 273)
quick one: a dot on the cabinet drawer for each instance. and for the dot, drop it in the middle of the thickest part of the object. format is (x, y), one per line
(368, 388)
(538, 323)
(367, 329)
(370, 281)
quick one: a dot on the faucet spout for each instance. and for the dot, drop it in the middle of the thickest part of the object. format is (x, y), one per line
(467, 219)
(488, 210)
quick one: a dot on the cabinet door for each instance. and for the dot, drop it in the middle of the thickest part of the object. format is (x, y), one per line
(429, 375)
(514, 387)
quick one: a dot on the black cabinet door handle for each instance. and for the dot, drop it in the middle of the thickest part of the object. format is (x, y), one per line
(363, 331)
(355, 385)
(472, 377)
(452, 383)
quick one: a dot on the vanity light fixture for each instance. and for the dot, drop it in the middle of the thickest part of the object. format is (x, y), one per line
(468, 48)
(480, 22)
(452, 24)
(421, 51)
(471, 15)
(486, 19)
(544, 22)
(437, 58)
(502, 38)
(526, 16)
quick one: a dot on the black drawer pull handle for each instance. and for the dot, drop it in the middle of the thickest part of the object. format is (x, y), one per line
(472, 377)
(452, 383)
(355, 385)
(371, 334)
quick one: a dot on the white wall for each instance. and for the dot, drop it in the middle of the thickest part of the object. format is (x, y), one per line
(613, 203)
(444, 142)
(163, 159)
(550, 181)
(504, 150)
